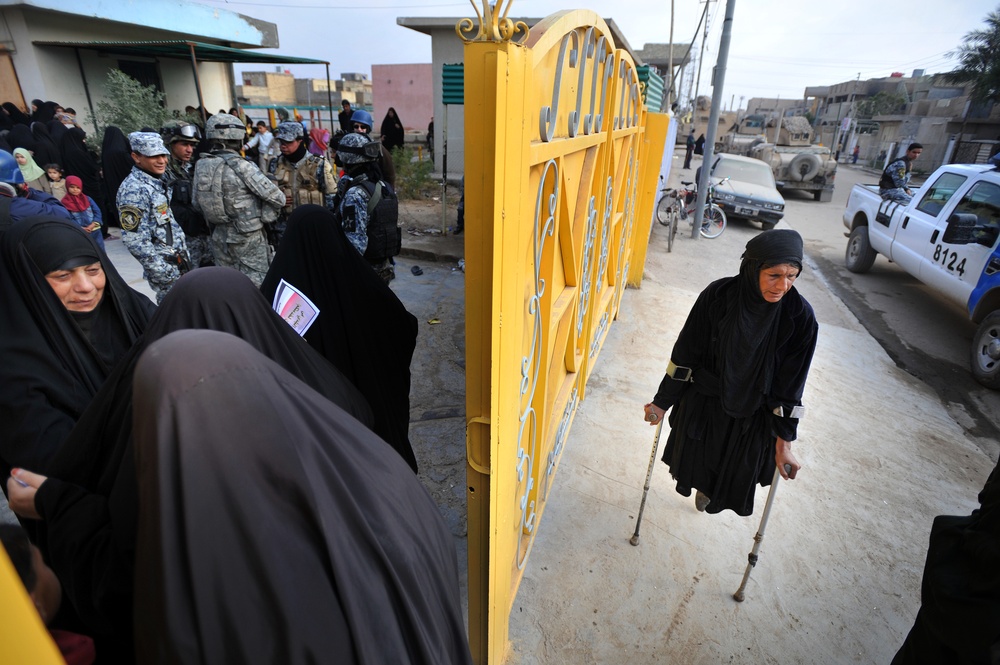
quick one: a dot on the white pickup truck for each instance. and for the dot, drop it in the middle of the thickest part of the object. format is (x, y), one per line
(947, 238)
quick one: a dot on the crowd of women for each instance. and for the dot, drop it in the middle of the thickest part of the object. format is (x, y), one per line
(197, 468)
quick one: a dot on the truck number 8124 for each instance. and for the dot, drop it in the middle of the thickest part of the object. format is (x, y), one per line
(947, 260)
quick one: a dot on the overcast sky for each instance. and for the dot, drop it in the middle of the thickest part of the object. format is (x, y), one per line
(778, 46)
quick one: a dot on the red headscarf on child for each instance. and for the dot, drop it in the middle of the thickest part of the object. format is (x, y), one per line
(77, 203)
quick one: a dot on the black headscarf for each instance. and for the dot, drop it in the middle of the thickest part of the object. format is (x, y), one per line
(5, 121)
(17, 116)
(266, 509)
(46, 111)
(748, 329)
(89, 502)
(116, 163)
(20, 136)
(49, 369)
(362, 328)
(46, 150)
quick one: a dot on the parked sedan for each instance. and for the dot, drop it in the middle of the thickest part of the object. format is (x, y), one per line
(749, 192)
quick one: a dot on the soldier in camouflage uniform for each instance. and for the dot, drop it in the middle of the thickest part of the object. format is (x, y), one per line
(302, 176)
(236, 199)
(181, 138)
(149, 229)
(352, 200)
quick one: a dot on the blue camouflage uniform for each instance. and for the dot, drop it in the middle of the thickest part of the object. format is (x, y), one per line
(149, 229)
(354, 218)
(354, 213)
(896, 180)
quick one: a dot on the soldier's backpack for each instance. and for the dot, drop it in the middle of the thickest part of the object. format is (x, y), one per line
(385, 237)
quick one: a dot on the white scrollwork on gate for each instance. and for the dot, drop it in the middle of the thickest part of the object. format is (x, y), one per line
(527, 436)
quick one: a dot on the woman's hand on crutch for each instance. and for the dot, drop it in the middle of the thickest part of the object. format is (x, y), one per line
(653, 414)
(782, 456)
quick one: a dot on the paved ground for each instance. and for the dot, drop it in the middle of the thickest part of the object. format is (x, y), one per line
(838, 580)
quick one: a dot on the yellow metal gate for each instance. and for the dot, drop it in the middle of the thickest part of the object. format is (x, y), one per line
(560, 180)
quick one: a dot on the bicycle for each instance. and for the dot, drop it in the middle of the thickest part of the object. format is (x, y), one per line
(679, 204)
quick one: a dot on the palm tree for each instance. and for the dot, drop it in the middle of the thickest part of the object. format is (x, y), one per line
(979, 65)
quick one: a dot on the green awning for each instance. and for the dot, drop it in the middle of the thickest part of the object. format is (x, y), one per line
(179, 48)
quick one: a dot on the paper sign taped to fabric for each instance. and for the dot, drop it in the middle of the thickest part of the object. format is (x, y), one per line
(294, 307)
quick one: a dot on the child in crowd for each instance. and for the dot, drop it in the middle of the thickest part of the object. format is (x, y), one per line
(45, 592)
(82, 209)
(34, 176)
(56, 182)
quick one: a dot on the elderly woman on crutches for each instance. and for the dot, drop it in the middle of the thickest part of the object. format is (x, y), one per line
(735, 379)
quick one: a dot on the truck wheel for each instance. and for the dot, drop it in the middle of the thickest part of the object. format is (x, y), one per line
(860, 255)
(986, 352)
(804, 167)
(823, 195)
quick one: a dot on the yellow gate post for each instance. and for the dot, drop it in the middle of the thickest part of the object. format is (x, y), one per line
(553, 181)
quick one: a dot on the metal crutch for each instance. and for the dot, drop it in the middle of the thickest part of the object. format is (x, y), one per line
(634, 540)
(759, 536)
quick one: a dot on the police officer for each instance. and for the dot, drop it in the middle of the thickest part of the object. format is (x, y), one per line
(362, 122)
(181, 139)
(149, 229)
(359, 155)
(18, 201)
(236, 199)
(302, 176)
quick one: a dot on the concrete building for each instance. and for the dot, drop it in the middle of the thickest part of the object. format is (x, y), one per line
(662, 57)
(927, 109)
(267, 88)
(61, 51)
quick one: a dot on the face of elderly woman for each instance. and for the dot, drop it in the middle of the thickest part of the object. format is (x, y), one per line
(775, 281)
(79, 289)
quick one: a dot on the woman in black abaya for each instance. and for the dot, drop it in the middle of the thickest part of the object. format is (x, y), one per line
(736, 376)
(362, 326)
(274, 527)
(116, 164)
(392, 133)
(54, 360)
(46, 150)
(86, 504)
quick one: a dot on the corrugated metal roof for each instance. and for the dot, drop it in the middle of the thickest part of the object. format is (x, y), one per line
(179, 48)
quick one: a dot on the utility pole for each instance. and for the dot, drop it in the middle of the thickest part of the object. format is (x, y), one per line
(718, 84)
(670, 60)
(701, 56)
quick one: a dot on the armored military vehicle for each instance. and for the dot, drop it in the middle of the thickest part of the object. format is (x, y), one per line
(794, 160)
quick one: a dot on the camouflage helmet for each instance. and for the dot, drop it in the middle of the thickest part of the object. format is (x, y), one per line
(289, 131)
(10, 172)
(357, 149)
(225, 127)
(179, 130)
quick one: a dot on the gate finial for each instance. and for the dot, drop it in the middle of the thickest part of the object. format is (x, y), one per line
(494, 26)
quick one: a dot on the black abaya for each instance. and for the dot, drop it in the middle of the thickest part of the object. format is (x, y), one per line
(49, 370)
(362, 328)
(88, 504)
(116, 164)
(749, 357)
(959, 618)
(46, 150)
(274, 527)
